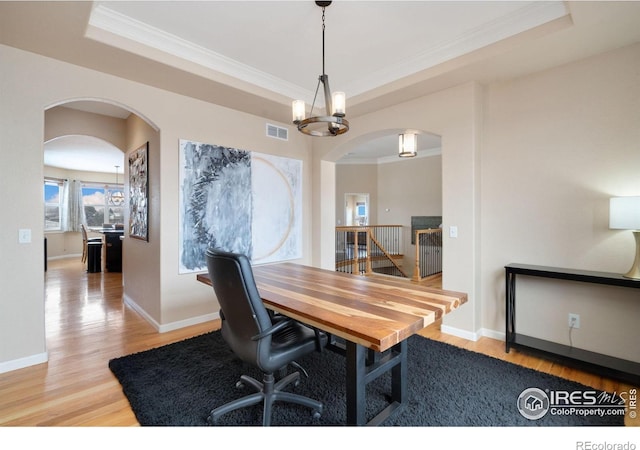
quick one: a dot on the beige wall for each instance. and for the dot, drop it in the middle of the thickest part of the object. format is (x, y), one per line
(61, 121)
(453, 114)
(30, 85)
(356, 179)
(528, 166)
(140, 258)
(557, 145)
(409, 188)
(398, 190)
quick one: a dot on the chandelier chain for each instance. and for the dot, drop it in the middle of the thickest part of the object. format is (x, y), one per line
(315, 96)
(323, 71)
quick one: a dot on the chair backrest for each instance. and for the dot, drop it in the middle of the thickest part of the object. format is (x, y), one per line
(84, 232)
(244, 314)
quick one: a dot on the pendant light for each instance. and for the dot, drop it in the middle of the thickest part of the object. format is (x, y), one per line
(333, 123)
(116, 196)
(407, 145)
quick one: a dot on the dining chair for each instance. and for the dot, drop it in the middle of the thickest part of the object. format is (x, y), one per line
(85, 242)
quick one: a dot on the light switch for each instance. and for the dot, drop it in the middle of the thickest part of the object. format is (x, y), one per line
(453, 231)
(24, 236)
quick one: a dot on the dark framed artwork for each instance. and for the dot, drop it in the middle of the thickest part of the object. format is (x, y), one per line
(139, 193)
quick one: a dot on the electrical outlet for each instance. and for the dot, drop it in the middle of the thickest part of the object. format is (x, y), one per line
(574, 320)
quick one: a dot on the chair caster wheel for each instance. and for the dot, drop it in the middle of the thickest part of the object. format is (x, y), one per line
(316, 414)
(239, 385)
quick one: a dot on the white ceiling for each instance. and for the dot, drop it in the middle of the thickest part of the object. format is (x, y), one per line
(85, 153)
(256, 56)
(368, 44)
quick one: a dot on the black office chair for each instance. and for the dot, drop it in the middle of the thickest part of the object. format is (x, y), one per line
(258, 338)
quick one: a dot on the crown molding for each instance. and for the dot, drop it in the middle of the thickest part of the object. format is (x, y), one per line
(119, 26)
(119, 30)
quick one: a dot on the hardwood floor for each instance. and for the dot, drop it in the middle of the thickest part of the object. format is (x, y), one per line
(87, 324)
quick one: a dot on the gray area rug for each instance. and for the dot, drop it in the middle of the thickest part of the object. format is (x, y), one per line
(179, 384)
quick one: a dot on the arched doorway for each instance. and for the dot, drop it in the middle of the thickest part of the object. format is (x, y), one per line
(94, 132)
(399, 190)
(84, 152)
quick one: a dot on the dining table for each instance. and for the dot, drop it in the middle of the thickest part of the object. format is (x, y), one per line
(368, 319)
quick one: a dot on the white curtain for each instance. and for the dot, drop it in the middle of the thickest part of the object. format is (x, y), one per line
(72, 208)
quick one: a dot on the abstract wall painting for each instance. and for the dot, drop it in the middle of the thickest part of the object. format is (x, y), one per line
(139, 193)
(277, 208)
(240, 201)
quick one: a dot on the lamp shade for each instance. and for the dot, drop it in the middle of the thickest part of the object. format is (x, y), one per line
(407, 145)
(298, 110)
(624, 213)
(339, 104)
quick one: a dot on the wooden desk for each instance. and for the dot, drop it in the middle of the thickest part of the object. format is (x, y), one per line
(378, 314)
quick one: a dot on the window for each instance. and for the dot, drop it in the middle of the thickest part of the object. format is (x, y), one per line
(102, 204)
(52, 193)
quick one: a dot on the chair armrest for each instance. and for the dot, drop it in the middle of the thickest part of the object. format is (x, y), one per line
(282, 323)
(272, 329)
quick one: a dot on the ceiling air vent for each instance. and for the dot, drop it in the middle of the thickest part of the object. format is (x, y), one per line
(277, 132)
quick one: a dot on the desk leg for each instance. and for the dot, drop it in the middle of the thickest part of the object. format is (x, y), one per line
(399, 376)
(361, 370)
(356, 383)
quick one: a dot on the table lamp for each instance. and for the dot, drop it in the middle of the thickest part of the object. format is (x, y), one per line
(624, 214)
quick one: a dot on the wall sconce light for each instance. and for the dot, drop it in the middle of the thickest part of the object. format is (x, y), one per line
(407, 145)
(624, 214)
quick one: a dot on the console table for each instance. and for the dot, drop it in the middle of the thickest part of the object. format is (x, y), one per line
(624, 370)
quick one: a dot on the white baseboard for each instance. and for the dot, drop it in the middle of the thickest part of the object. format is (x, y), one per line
(21, 363)
(473, 336)
(458, 332)
(493, 334)
(188, 322)
(75, 255)
(163, 328)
